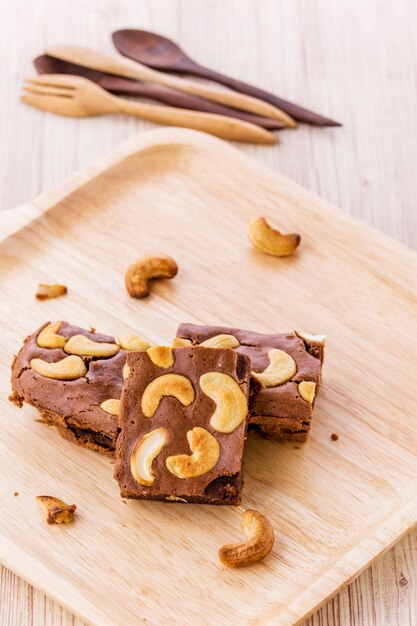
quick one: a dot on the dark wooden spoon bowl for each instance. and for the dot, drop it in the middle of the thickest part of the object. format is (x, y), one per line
(46, 64)
(165, 55)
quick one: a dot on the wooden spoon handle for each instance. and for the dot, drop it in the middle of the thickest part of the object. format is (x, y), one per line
(125, 86)
(298, 113)
(224, 127)
(229, 98)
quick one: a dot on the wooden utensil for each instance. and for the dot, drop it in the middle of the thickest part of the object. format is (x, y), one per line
(164, 54)
(79, 97)
(46, 64)
(114, 64)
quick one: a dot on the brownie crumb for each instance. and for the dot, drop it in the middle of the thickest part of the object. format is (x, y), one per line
(334, 437)
(16, 493)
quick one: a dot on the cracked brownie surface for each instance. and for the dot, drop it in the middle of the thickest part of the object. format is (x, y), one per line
(72, 406)
(286, 368)
(183, 424)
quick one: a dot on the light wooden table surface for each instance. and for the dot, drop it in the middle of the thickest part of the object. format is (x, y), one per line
(354, 60)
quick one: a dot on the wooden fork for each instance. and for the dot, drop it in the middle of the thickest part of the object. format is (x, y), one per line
(79, 97)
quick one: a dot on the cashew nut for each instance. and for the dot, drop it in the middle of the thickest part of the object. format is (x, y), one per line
(271, 241)
(259, 542)
(111, 406)
(125, 371)
(133, 342)
(49, 338)
(147, 268)
(205, 454)
(50, 291)
(82, 345)
(70, 368)
(307, 390)
(179, 342)
(281, 368)
(174, 385)
(231, 403)
(161, 356)
(55, 510)
(221, 341)
(319, 339)
(146, 450)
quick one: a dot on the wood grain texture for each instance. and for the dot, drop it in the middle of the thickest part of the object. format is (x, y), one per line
(353, 60)
(335, 506)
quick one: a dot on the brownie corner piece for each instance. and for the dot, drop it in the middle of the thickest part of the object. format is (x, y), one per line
(183, 425)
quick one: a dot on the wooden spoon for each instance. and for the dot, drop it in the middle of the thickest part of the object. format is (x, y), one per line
(164, 54)
(46, 64)
(115, 64)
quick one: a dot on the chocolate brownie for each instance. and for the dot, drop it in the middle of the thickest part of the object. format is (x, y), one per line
(183, 425)
(80, 393)
(288, 366)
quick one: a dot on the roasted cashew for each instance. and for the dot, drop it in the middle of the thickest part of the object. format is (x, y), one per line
(271, 241)
(70, 368)
(174, 385)
(231, 402)
(281, 368)
(146, 450)
(49, 338)
(221, 341)
(259, 542)
(83, 346)
(145, 269)
(205, 454)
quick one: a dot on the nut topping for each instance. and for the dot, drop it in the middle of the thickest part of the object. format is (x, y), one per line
(281, 368)
(161, 356)
(70, 368)
(55, 510)
(83, 346)
(125, 371)
(174, 385)
(205, 454)
(259, 542)
(319, 339)
(271, 241)
(231, 404)
(221, 341)
(133, 342)
(307, 390)
(145, 269)
(146, 450)
(44, 292)
(179, 342)
(49, 338)
(111, 406)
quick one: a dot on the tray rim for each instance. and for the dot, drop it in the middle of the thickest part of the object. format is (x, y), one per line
(15, 219)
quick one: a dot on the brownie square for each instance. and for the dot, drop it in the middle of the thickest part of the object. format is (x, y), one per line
(78, 407)
(286, 370)
(183, 425)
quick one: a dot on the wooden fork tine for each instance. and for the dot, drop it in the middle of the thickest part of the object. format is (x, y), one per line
(53, 104)
(49, 91)
(55, 80)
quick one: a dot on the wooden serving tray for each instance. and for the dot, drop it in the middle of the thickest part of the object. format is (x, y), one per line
(335, 505)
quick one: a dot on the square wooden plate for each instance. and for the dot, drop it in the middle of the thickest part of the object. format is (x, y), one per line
(335, 505)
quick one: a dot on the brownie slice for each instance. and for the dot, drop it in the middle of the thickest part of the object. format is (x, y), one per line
(183, 425)
(72, 402)
(288, 367)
